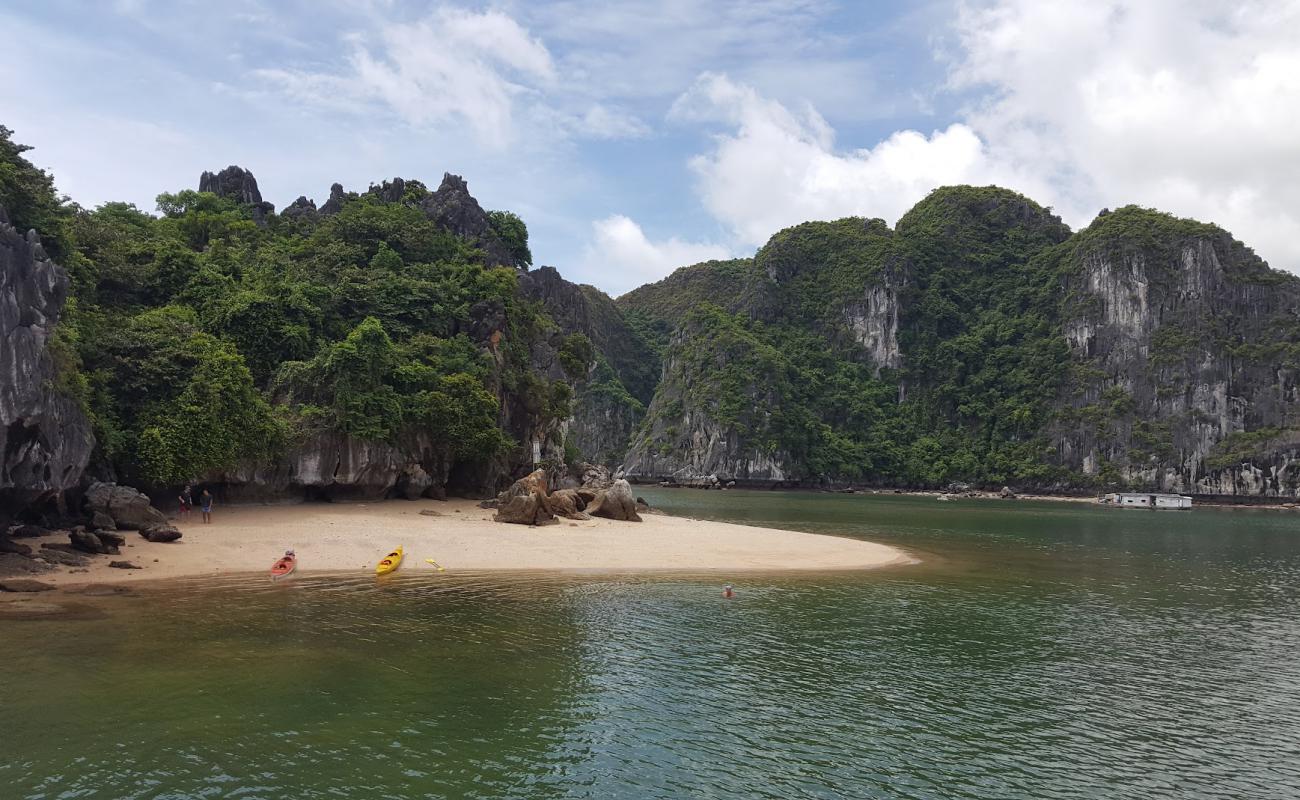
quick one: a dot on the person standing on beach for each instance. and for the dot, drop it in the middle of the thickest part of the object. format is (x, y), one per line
(206, 500)
(186, 499)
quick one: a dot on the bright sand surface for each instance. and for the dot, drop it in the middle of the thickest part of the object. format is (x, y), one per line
(462, 536)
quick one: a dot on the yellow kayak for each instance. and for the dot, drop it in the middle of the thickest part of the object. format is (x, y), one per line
(389, 563)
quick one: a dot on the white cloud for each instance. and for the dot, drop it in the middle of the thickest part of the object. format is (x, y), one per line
(603, 122)
(621, 257)
(1190, 107)
(779, 168)
(454, 64)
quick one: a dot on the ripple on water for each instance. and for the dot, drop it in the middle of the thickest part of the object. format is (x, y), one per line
(1140, 673)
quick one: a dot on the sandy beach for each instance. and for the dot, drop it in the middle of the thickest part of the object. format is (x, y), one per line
(461, 536)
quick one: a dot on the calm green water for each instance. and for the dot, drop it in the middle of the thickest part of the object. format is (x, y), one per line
(1041, 651)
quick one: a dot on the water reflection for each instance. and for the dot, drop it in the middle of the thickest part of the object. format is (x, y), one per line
(1052, 652)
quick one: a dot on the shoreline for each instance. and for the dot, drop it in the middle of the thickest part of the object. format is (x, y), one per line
(460, 536)
(1198, 501)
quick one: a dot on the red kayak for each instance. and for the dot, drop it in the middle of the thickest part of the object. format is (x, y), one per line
(284, 566)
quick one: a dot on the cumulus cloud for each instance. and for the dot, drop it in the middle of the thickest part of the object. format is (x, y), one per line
(621, 257)
(780, 167)
(453, 65)
(1190, 107)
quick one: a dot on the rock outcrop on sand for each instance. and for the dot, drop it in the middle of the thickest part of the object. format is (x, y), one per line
(616, 502)
(128, 508)
(527, 501)
(45, 439)
(524, 503)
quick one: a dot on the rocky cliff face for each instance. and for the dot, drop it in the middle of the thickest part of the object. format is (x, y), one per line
(1143, 352)
(45, 439)
(712, 413)
(610, 401)
(332, 466)
(238, 184)
(453, 208)
(1187, 365)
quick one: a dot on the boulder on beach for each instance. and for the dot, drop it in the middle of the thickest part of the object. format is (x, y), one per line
(27, 532)
(616, 502)
(160, 533)
(111, 538)
(100, 520)
(127, 507)
(88, 542)
(8, 545)
(528, 509)
(1007, 494)
(525, 502)
(124, 565)
(14, 564)
(566, 503)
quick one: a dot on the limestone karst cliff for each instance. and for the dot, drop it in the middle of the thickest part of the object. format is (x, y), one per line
(45, 439)
(980, 341)
(396, 342)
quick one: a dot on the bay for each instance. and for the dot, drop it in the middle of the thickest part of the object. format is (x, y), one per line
(1039, 650)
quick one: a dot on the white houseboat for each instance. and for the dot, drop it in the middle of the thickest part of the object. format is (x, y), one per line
(1147, 500)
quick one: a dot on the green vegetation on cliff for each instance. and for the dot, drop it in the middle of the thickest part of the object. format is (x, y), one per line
(214, 334)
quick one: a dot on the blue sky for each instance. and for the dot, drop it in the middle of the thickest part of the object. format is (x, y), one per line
(637, 137)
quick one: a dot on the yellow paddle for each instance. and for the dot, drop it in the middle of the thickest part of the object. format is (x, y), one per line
(436, 564)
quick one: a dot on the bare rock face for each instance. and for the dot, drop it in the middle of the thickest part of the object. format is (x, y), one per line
(1180, 340)
(128, 508)
(335, 204)
(616, 502)
(238, 184)
(45, 439)
(334, 466)
(413, 482)
(302, 208)
(453, 209)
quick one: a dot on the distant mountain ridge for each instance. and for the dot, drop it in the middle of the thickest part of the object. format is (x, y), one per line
(979, 341)
(397, 342)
